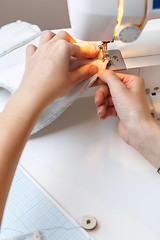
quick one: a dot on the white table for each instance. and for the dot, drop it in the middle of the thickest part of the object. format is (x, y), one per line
(82, 163)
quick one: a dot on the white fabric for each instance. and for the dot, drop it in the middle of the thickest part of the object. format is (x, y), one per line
(16, 34)
(12, 68)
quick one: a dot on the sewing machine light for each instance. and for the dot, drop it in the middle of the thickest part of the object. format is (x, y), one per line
(119, 17)
(130, 20)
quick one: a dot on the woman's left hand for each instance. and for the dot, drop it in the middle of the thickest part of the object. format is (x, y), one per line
(47, 75)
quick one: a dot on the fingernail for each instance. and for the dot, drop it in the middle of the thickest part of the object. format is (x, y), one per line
(101, 71)
(94, 46)
(99, 112)
(91, 45)
(45, 32)
(93, 70)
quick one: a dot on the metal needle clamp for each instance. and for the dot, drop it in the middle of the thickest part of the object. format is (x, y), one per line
(88, 222)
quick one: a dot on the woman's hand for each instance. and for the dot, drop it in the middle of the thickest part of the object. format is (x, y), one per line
(46, 78)
(124, 96)
(47, 75)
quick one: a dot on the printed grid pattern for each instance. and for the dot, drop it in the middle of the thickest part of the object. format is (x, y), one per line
(28, 209)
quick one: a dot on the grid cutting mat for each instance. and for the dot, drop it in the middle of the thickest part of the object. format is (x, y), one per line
(29, 209)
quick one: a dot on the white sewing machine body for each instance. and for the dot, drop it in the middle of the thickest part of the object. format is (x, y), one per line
(84, 164)
(142, 58)
(137, 38)
(105, 20)
(102, 175)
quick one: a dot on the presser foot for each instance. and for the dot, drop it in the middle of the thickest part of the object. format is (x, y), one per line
(116, 61)
(114, 58)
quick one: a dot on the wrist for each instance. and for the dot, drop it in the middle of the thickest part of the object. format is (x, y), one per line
(148, 140)
(22, 108)
(144, 131)
(33, 98)
(27, 102)
(41, 98)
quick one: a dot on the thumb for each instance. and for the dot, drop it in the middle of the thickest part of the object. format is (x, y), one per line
(114, 83)
(83, 73)
(30, 50)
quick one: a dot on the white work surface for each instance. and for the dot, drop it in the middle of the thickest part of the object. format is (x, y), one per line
(83, 164)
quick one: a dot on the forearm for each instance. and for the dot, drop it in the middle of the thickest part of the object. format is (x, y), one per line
(16, 123)
(46, 78)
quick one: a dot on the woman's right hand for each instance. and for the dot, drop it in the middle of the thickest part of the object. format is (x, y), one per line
(124, 96)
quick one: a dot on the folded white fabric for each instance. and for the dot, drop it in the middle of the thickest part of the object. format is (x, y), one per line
(12, 68)
(17, 34)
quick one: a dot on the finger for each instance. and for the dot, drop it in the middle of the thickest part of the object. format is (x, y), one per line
(101, 94)
(76, 51)
(131, 81)
(112, 80)
(104, 117)
(83, 73)
(46, 36)
(30, 50)
(105, 107)
(124, 77)
(97, 83)
(84, 51)
(101, 111)
(108, 102)
(111, 112)
(65, 36)
(121, 76)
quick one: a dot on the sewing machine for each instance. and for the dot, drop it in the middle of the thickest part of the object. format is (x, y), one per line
(82, 162)
(128, 38)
